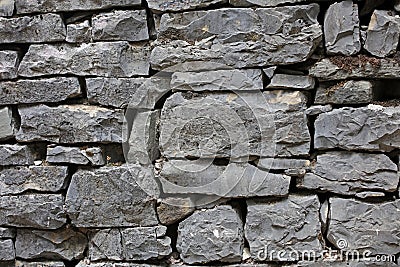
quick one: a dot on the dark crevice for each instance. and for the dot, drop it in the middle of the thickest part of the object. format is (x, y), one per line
(172, 233)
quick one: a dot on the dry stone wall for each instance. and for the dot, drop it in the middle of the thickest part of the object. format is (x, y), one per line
(199, 132)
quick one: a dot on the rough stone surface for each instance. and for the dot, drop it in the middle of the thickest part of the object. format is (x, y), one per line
(291, 224)
(372, 128)
(35, 29)
(37, 91)
(348, 173)
(15, 155)
(70, 124)
(116, 59)
(64, 244)
(86, 263)
(316, 110)
(16, 180)
(291, 167)
(41, 211)
(293, 82)
(75, 155)
(79, 32)
(180, 5)
(8, 64)
(7, 252)
(211, 235)
(349, 92)
(6, 8)
(342, 29)
(19, 263)
(172, 209)
(7, 124)
(263, 3)
(129, 244)
(6, 233)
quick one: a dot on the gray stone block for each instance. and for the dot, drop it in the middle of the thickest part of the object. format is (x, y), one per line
(174, 209)
(75, 155)
(181, 5)
(269, 3)
(15, 155)
(8, 64)
(348, 92)
(7, 251)
(7, 8)
(7, 233)
(292, 82)
(20, 263)
(318, 109)
(7, 124)
(79, 32)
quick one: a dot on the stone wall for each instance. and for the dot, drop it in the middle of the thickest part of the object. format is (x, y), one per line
(199, 132)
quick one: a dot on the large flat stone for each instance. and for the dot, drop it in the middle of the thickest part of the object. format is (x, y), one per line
(269, 3)
(7, 251)
(116, 59)
(16, 155)
(181, 5)
(7, 8)
(8, 64)
(19, 263)
(7, 124)
(292, 167)
(70, 124)
(293, 82)
(75, 155)
(348, 92)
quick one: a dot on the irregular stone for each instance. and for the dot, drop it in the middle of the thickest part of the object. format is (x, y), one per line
(324, 215)
(33, 6)
(347, 92)
(369, 194)
(6, 8)
(270, 71)
(32, 29)
(15, 155)
(211, 235)
(342, 29)
(8, 64)
(292, 167)
(70, 124)
(181, 5)
(267, 36)
(64, 244)
(358, 172)
(7, 252)
(269, 3)
(79, 32)
(37, 91)
(7, 124)
(316, 110)
(383, 33)
(293, 82)
(16, 180)
(172, 209)
(120, 25)
(110, 197)
(365, 226)
(86, 263)
(39, 264)
(372, 128)
(117, 59)
(6, 233)
(75, 155)
(290, 225)
(33, 210)
(129, 244)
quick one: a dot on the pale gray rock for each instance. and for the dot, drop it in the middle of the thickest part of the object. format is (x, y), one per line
(318, 109)
(397, 5)
(291, 167)
(38, 91)
(96, 199)
(357, 172)
(218, 80)
(290, 224)
(15, 155)
(370, 194)
(6, 233)
(120, 25)
(128, 244)
(41, 211)
(342, 29)
(32, 29)
(116, 59)
(383, 33)
(264, 3)
(8, 64)
(19, 263)
(211, 235)
(372, 128)
(270, 71)
(365, 226)
(237, 38)
(348, 92)
(86, 263)
(6, 8)
(70, 124)
(7, 252)
(173, 209)
(181, 5)
(293, 82)
(75, 155)
(79, 32)
(16, 180)
(63, 244)
(7, 124)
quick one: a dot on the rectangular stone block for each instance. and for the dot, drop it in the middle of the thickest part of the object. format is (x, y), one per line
(292, 167)
(165, 5)
(7, 124)
(269, 3)
(7, 251)
(348, 92)
(19, 263)
(79, 32)
(8, 64)
(75, 155)
(15, 155)
(291, 82)
(6, 233)
(6, 8)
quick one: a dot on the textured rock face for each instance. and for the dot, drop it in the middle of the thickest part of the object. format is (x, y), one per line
(358, 172)
(179, 5)
(293, 82)
(6, 233)
(129, 244)
(291, 224)
(269, 3)
(15, 155)
(292, 167)
(7, 252)
(40, 211)
(365, 226)
(117, 59)
(8, 64)
(372, 128)
(7, 8)
(172, 210)
(112, 264)
(7, 124)
(211, 235)
(64, 244)
(349, 92)
(316, 110)
(79, 32)
(36, 29)
(70, 124)
(75, 155)
(271, 36)
(109, 197)
(19, 263)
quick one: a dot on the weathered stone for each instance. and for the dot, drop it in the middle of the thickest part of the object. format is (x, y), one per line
(292, 167)
(16, 180)
(267, 36)
(65, 244)
(342, 29)
(33, 6)
(33, 210)
(181, 5)
(365, 226)
(32, 29)
(7, 124)
(316, 110)
(8, 64)
(70, 124)
(291, 225)
(15, 155)
(141, 243)
(211, 235)
(270, 71)
(121, 25)
(334, 261)
(75, 155)
(397, 5)
(372, 128)
(117, 59)
(383, 33)
(79, 32)
(110, 197)
(86, 263)
(358, 172)
(348, 92)
(7, 252)
(172, 210)
(231, 80)
(369, 194)
(6, 8)
(37, 91)
(39, 264)
(269, 3)
(293, 82)
(6, 233)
